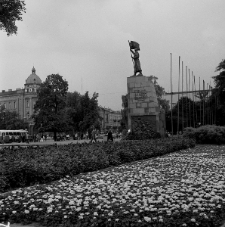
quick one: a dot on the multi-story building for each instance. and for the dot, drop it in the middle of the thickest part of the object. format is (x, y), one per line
(110, 119)
(23, 100)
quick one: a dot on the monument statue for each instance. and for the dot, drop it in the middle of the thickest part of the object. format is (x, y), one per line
(134, 48)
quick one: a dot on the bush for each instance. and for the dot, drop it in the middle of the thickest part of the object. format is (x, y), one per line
(142, 130)
(28, 166)
(207, 134)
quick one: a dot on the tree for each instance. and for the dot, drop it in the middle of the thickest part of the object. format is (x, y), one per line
(83, 111)
(218, 93)
(89, 112)
(10, 12)
(187, 117)
(73, 109)
(163, 103)
(49, 111)
(124, 112)
(10, 120)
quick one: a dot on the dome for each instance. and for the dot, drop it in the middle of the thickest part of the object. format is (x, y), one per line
(33, 78)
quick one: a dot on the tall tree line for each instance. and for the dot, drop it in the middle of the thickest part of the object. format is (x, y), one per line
(58, 110)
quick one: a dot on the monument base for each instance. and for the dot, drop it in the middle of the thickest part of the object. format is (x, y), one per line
(143, 104)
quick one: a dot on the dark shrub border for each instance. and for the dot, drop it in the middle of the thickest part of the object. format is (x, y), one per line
(207, 134)
(28, 166)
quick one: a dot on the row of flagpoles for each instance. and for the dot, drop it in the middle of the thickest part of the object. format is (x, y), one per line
(206, 113)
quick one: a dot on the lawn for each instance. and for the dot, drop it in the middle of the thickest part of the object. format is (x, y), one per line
(185, 188)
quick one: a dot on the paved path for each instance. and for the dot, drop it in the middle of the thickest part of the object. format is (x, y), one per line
(30, 225)
(20, 225)
(51, 141)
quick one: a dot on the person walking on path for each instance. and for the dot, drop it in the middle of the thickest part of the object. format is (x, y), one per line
(110, 136)
(93, 135)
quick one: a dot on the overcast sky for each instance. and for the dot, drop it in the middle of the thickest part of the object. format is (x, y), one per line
(86, 42)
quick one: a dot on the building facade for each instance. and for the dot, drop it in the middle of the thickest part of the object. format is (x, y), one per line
(23, 100)
(110, 119)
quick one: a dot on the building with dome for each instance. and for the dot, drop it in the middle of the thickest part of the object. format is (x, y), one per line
(23, 100)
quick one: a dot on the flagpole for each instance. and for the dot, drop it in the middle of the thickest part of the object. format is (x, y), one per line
(193, 100)
(178, 117)
(203, 104)
(171, 87)
(196, 110)
(200, 102)
(187, 98)
(182, 98)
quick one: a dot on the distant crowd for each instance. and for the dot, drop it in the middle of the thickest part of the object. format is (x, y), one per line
(92, 135)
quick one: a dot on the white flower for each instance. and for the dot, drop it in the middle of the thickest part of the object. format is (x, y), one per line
(78, 209)
(26, 211)
(193, 220)
(147, 219)
(49, 210)
(14, 211)
(71, 203)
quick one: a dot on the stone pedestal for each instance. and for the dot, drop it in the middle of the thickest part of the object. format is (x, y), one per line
(142, 103)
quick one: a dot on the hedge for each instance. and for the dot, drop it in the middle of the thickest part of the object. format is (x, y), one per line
(28, 166)
(207, 134)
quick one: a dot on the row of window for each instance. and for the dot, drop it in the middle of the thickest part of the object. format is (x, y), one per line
(31, 90)
(112, 117)
(12, 105)
(28, 103)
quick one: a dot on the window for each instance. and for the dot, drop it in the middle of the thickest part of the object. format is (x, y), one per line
(14, 105)
(9, 105)
(27, 103)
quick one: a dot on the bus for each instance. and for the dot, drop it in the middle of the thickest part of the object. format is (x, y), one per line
(9, 136)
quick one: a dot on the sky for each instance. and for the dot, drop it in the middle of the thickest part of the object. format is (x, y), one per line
(86, 42)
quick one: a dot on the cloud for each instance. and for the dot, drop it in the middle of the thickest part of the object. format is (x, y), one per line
(88, 39)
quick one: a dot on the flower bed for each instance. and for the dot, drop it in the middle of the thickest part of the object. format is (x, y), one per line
(179, 189)
(26, 167)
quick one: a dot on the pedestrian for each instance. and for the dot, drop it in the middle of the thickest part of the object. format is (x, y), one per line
(27, 138)
(93, 135)
(110, 136)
